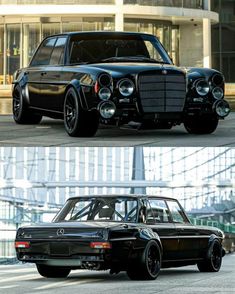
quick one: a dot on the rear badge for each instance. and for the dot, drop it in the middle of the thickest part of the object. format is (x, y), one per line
(60, 232)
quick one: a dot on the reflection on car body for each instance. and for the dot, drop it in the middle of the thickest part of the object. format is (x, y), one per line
(137, 234)
(115, 78)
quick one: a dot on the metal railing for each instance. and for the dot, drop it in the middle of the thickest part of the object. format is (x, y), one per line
(58, 2)
(195, 4)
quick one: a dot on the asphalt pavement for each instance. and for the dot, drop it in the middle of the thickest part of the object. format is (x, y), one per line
(15, 279)
(51, 132)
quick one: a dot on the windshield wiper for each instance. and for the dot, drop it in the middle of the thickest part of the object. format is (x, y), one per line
(133, 58)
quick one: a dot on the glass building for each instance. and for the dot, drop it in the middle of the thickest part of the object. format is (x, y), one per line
(223, 36)
(183, 26)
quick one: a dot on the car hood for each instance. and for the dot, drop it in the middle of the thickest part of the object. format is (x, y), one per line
(131, 68)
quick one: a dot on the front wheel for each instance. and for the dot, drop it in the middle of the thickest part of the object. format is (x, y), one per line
(52, 271)
(201, 125)
(77, 121)
(21, 114)
(214, 258)
(149, 265)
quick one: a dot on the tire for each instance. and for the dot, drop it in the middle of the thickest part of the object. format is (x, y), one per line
(52, 271)
(148, 266)
(201, 125)
(214, 258)
(78, 122)
(21, 114)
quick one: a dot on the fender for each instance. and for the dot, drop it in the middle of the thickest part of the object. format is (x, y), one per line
(210, 245)
(148, 234)
(77, 86)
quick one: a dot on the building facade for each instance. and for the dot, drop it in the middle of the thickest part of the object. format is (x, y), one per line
(223, 36)
(183, 26)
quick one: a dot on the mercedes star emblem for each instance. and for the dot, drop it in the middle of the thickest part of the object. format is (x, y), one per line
(164, 72)
(60, 232)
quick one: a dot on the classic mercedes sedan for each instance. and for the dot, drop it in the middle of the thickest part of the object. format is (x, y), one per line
(117, 78)
(134, 233)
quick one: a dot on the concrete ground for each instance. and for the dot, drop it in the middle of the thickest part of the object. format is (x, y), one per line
(52, 133)
(15, 279)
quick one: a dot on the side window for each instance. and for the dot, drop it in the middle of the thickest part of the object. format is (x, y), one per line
(57, 56)
(178, 215)
(160, 212)
(43, 54)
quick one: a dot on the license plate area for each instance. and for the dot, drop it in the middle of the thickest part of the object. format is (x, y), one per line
(59, 249)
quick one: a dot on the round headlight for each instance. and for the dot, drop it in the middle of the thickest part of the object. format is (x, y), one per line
(217, 79)
(218, 93)
(126, 87)
(107, 109)
(105, 80)
(221, 107)
(202, 87)
(104, 93)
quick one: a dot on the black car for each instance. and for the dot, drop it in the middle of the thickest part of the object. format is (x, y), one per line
(88, 78)
(134, 233)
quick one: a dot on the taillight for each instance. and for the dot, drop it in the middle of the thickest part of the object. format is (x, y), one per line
(100, 245)
(22, 244)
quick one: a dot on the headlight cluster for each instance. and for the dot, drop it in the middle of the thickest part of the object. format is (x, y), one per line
(126, 87)
(103, 86)
(203, 87)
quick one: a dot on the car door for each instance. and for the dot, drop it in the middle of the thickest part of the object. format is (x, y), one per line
(38, 68)
(158, 218)
(52, 88)
(189, 236)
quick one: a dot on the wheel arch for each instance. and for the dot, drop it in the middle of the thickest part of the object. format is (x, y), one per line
(75, 84)
(211, 241)
(148, 234)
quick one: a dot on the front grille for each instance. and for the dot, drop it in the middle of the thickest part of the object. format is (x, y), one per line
(162, 93)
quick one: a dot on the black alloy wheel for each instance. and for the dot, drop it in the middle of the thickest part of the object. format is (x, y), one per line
(52, 271)
(214, 259)
(201, 124)
(149, 265)
(21, 113)
(77, 121)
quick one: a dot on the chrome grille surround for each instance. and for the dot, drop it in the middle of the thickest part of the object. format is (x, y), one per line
(162, 91)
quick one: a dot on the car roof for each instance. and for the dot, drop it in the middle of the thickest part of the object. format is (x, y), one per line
(107, 33)
(134, 196)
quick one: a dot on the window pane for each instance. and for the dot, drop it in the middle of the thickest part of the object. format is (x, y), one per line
(49, 29)
(176, 212)
(58, 52)
(31, 40)
(160, 210)
(13, 51)
(1, 54)
(43, 55)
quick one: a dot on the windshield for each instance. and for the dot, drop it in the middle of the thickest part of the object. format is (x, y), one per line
(99, 209)
(116, 47)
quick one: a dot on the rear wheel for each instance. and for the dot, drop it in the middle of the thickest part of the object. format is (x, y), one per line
(78, 122)
(149, 264)
(214, 258)
(201, 125)
(52, 271)
(21, 114)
